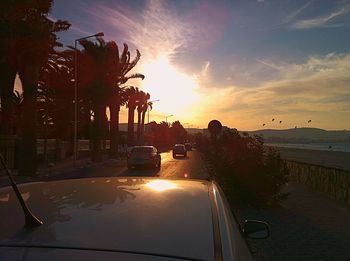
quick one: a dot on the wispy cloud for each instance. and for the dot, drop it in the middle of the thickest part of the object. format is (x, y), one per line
(270, 65)
(332, 19)
(156, 29)
(318, 88)
(295, 13)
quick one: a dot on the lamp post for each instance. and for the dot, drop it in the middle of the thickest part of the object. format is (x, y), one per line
(100, 34)
(149, 110)
(168, 116)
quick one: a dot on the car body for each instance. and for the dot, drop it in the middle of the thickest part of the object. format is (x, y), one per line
(143, 156)
(188, 146)
(179, 149)
(125, 218)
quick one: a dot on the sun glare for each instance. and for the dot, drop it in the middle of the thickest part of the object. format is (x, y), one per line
(175, 90)
(160, 185)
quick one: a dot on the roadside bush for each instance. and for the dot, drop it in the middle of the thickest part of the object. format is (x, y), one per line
(247, 171)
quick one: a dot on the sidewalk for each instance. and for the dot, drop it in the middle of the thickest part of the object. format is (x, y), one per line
(307, 226)
(55, 169)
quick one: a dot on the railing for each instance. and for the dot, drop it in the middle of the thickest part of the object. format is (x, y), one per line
(49, 150)
(334, 182)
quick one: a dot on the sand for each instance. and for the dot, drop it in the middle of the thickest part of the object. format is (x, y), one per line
(332, 159)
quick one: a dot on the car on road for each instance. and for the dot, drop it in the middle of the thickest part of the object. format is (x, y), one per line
(123, 218)
(179, 149)
(188, 146)
(144, 156)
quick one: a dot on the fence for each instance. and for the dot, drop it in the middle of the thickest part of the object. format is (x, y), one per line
(50, 149)
(334, 182)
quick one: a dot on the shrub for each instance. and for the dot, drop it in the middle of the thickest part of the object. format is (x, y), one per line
(248, 172)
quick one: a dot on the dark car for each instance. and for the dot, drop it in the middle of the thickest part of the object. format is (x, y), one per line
(188, 146)
(179, 149)
(144, 156)
(123, 218)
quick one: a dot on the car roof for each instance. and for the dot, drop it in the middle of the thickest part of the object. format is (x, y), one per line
(146, 146)
(160, 217)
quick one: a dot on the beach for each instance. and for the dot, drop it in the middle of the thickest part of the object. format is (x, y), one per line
(331, 159)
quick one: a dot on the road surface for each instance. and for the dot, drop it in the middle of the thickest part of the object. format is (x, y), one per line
(191, 167)
(179, 167)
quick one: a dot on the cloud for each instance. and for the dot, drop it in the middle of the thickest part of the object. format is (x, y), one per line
(294, 14)
(270, 65)
(155, 30)
(318, 89)
(332, 19)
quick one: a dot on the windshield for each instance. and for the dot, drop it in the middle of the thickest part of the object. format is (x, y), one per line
(258, 91)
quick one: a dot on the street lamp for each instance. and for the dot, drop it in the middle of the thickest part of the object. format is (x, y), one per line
(100, 34)
(168, 116)
(148, 108)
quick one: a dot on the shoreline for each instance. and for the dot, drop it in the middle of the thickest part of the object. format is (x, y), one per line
(331, 159)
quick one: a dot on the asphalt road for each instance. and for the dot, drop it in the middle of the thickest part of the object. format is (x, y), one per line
(190, 167)
(180, 167)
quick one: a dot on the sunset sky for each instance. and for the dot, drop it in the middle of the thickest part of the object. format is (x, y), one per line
(243, 62)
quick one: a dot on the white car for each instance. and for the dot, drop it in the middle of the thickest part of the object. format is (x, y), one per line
(123, 218)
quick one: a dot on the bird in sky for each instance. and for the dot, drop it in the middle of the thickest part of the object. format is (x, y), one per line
(273, 119)
(280, 121)
(263, 124)
(308, 121)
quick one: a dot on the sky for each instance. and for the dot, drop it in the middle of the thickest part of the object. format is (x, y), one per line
(243, 62)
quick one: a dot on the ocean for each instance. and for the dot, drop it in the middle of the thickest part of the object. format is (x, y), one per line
(344, 147)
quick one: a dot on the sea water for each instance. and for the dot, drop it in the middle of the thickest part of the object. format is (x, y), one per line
(344, 147)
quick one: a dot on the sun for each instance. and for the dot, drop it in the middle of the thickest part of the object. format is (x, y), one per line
(176, 91)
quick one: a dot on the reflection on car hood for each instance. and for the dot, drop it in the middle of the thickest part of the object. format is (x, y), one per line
(144, 215)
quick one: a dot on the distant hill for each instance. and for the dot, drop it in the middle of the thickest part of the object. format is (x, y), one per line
(302, 135)
(124, 127)
(193, 130)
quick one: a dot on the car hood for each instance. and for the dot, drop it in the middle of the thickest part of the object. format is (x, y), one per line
(139, 215)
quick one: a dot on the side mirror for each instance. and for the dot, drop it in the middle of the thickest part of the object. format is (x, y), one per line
(256, 229)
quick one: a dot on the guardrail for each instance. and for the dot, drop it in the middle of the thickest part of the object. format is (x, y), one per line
(332, 181)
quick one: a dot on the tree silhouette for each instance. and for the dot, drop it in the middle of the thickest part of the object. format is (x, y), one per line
(142, 104)
(132, 93)
(146, 106)
(119, 67)
(27, 36)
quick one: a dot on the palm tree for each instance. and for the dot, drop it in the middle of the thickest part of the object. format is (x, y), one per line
(110, 71)
(146, 105)
(97, 88)
(28, 36)
(132, 94)
(119, 67)
(141, 103)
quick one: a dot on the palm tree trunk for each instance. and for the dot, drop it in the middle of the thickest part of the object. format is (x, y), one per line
(143, 123)
(114, 130)
(131, 115)
(98, 133)
(28, 145)
(138, 124)
(7, 81)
